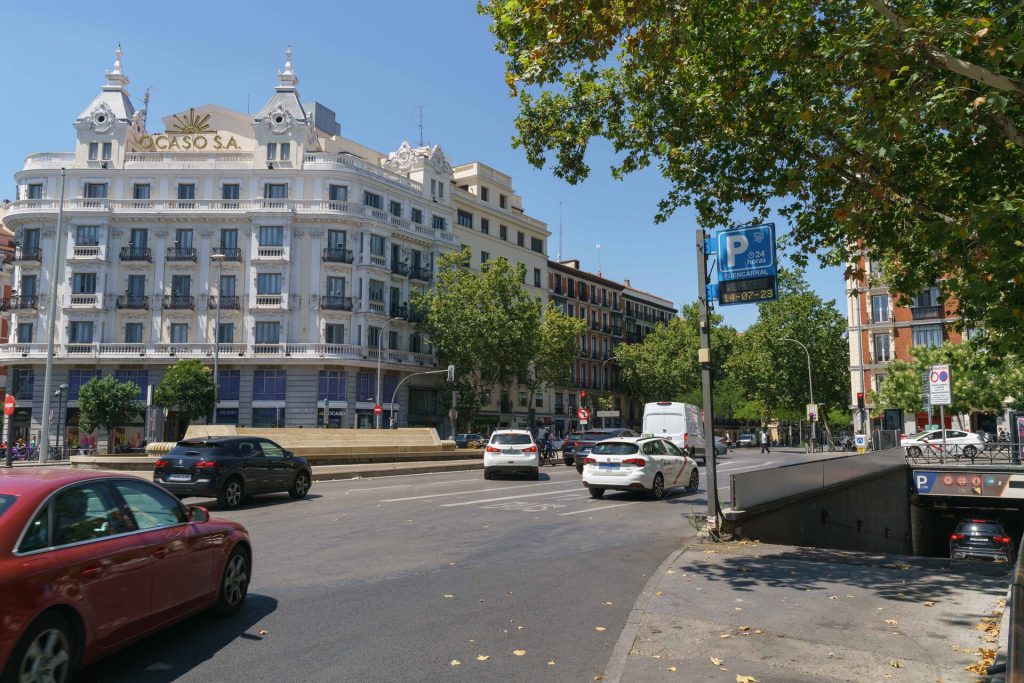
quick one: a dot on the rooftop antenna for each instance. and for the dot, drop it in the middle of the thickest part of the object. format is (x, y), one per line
(246, 104)
(559, 258)
(598, 259)
(421, 124)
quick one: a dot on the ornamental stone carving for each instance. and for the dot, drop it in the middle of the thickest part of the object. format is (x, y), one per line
(439, 161)
(101, 119)
(404, 160)
(279, 120)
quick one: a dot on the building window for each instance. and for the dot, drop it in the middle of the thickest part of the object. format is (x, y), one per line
(271, 151)
(927, 297)
(139, 378)
(396, 208)
(334, 333)
(502, 201)
(539, 402)
(271, 236)
(365, 386)
(87, 235)
(229, 238)
(484, 193)
(377, 245)
(537, 245)
(226, 333)
(927, 335)
(338, 193)
(77, 379)
(415, 343)
(275, 190)
(286, 151)
(186, 191)
(372, 336)
(83, 283)
(536, 277)
(332, 385)
(879, 308)
(267, 332)
(522, 399)
(440, 223)
(393, 340)
(228, 384)
(485, 226)
(96, 190)
(883, 348)
(35, 191)
(94, 151)
(108, 148)
(464, 218)
(272, 418)
(179, 333)
(269, 385)
(80, 332)
(268, 283)
(520, 239)
(503, 232)
(390, 383)
(133, 333)
(230, 191)
(24, 333)
(23, 382)
(373, 200)
(141, 191)
(484, 257)
(417, 216)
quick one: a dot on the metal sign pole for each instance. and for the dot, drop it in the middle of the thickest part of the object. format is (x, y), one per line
(704, 357)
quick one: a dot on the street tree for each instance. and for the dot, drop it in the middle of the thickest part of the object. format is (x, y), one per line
(105, 402)
(186, 388)
(557, 346)
(774, 371)
(483, 322)
(877, 126)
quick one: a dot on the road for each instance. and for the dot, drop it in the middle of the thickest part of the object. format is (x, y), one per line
(395, 579)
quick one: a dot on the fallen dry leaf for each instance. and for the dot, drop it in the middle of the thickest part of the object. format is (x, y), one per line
(602, 629)
(744, 628)
(745, 679)
(609, 603)
(671, 668)
(659, 593)
(519, 653)
(895, 663)
(263, 632)
(891, 622)
(716, 661)
(551, 662)
(482, 658)
(833, 597)
(448, 595)
(657, 656)
(739, 609)
(670, 571)
(724, 635)
(758, 631)
(480, 600)
(455, 662)
(929, 604)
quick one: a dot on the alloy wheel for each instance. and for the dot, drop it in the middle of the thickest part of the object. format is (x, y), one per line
(48, 658)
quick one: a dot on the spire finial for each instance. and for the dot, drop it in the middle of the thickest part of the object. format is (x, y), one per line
(117, 60)
(116, 78)
(287, 77)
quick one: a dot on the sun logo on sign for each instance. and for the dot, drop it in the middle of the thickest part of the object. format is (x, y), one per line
(190, 124)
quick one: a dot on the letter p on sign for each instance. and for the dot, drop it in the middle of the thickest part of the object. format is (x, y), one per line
(735, 244)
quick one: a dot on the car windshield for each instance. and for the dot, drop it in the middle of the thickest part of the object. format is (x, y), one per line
(572, 437)
(6, 502)
(595, 436)
(615, 448)
(921, 435)
(746, 436)
(197, 448)
(510, 439)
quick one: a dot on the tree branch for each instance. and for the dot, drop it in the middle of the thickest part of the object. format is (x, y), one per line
(940, 59)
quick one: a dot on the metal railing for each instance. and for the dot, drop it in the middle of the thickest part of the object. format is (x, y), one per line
(228, 302)
(181, 254)
(133, 301)
(179, 302)
(336, 255)
(229, 253)
(336, 303)
(28, 254)
(997, 453)
(21, 302)
(136, 254)
(925, 312)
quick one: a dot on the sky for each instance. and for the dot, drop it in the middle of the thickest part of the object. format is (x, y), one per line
(375, 64)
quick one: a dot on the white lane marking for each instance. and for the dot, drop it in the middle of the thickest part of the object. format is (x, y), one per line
(403, 486)
(492, 500)
(748, 467)
(598, 509)
(456, 493)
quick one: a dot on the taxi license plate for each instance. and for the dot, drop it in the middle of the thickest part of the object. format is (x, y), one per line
(608, 466)
(510, 451)
(179, 477)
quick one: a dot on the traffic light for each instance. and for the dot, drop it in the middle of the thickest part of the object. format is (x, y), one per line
(583, 398)
(860, 400)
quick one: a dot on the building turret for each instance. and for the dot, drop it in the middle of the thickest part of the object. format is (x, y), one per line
(282, 129)
(104, 126)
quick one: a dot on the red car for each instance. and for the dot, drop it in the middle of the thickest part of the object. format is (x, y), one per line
(90, 562)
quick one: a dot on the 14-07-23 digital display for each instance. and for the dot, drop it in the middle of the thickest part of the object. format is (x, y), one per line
(747, 291)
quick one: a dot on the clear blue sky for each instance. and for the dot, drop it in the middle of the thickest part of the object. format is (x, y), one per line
(374, 64)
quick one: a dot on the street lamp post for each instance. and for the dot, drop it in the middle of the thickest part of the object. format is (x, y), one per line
(606, 360)
(55, 275)
(810, 383)
(60, 404)
(219, 258)
(380, 352)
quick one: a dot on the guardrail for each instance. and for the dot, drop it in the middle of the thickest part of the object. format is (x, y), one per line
(999, 453)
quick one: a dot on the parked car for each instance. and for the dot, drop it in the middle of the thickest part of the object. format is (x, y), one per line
(569, 448)
(969, 444)
(720, 447)
(645, 464)
(91, 562)
(231, 468)
(746, 440)
(589, 438)
(464, 440)
(511, 451)
(980, 538)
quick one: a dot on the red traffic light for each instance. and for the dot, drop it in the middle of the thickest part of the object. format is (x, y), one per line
(583, 394)
(860, 394)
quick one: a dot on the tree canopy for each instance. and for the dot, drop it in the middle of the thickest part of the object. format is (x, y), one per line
(186, 387)
(105, 402)
(884, 126)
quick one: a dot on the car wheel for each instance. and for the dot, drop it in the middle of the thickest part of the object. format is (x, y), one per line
(658, 487)
(47, 652)
(300, 487)
(914, 452)
(694, 480)
(567, 461)
(487, 474)
(536, 474)
(231, 494)
(234, 584)
(579, 468)
(596, 492)
(970, 451)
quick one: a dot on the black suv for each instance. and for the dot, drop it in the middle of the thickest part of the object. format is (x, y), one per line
(586, 441)
(232, 468)
(980, 538)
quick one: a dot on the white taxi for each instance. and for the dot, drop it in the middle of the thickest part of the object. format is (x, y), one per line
(511, 451)
(647, 464)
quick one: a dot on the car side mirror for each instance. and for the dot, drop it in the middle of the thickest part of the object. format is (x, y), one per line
(289, 454)
(198, 514)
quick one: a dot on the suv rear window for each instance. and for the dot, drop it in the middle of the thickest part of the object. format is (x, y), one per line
(198, 448)
(986, 529)
(614, 448)
(596, 436)
(511, 439)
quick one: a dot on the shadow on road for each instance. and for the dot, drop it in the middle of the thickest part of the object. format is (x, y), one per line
(173, 652)
(254, 502)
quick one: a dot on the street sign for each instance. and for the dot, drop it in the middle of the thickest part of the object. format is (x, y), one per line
(747, 265)
(939, 391)
(377, 410)
(607, 413)
(861, 441)
(583, 414)
(9, 405)
(812, 412)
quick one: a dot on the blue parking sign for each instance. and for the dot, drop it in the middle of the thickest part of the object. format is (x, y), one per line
(747, 252)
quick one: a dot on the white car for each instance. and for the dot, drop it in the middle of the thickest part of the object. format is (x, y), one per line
(511, 451)
(969, 444)
(649, 464)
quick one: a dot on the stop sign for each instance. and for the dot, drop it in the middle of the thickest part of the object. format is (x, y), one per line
(9, 405)
(377, 410)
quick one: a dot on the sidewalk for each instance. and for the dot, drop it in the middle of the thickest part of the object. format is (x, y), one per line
(779, 613)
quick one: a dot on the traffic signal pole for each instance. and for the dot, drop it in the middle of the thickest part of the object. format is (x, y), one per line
(704, 357)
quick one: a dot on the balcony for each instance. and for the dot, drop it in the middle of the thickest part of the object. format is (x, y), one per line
(557, 290)
(607, 329)
(594, 325)
(176, 302)
(422, 273)
(616, 331)
(181, 254)
(136, 254)
(276, 253)
(376, 307)
(225, 303)
(233, 254)
(84, 300)
(336, 303)
(399, 311)
(270, 301)
(88, 252)
(337, 255)
(133, 302)
(400, 268)
(414, 315)
(21, 303)
(28, 254)
(926, 312)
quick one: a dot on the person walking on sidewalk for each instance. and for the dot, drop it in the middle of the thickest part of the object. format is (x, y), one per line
(764, 442)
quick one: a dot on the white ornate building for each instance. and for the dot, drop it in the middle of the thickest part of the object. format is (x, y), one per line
(305, 243)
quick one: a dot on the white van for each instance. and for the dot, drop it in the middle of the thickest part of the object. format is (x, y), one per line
(680, 423)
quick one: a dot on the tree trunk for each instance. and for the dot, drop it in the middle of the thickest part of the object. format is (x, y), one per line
(110, 440)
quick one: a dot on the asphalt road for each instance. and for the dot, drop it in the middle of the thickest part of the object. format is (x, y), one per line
(395, 579)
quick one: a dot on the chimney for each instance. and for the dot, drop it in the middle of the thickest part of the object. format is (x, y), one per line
(626, 283)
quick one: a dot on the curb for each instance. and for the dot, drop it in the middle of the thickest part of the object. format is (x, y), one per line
(616, 666)
(393, 471)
